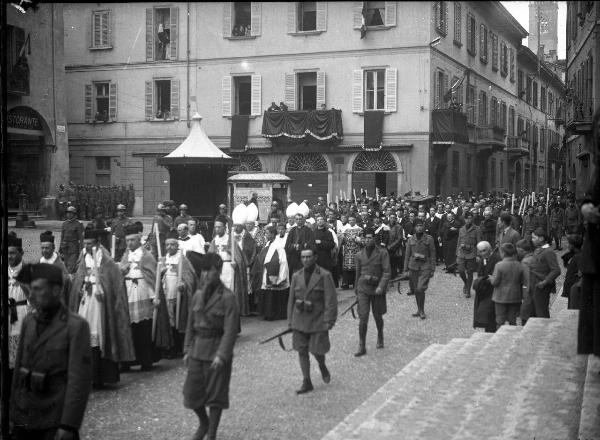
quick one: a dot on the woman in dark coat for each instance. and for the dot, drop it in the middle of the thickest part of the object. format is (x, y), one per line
(450, 239)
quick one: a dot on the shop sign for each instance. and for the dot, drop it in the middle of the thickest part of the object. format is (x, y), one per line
(24, 118)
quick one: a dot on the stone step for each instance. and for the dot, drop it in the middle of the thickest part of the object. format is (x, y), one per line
(419, 366)
(382, 423)
(589, 422)
(500, 407)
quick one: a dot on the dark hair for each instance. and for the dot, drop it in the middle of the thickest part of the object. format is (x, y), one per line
(508, 249)
(271, 229)
(212, 260)
(525, 244)
(309, 248)
(506, 219)
(541, 233)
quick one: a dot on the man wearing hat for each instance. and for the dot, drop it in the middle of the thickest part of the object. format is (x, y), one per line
(178, 282)
(117, 228)
(71, 239)
(183, 216)
(17, 295)
(419, 264)
(97, 294)
(370, 286)
(49, 256)
(163, 223)
(299, 237)
(139, 267)
(52, 383)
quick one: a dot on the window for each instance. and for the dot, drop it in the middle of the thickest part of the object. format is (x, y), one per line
(503, 59)
(528, 89)
(307, 16)
(458, 93)
(521, 84)
(374, 89)
(483, 43)
(457, 24)
(101, 30)
(483, 115)
(511, 121)
(503, 120)
(528, 131)
(243, 19)
(470, 104)
(241, 95)
(468, 170)
(543, 99)
(101, 101)
(375, 13)
(542, 139)
(471, 38)
(103, 170)
(440, 88)
(441, 17)
(494, 112)
(455, 168)
(494, 52)
(15, 43)
(493, 172)
(520, 130)
(162, 99)
(550, 103)
(307, 90)
(534, 137)
(535, 94)
(161, 33)
(511, 53)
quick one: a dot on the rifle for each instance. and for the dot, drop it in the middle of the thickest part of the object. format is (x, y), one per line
(278, 336)
(350, 309)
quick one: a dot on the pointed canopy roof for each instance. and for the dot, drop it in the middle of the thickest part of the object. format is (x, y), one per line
(196, 149)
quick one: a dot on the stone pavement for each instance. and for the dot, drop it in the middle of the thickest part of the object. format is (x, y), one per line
(148, 405)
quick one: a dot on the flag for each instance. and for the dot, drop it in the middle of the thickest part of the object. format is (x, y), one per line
(363, 27)
(454, 88)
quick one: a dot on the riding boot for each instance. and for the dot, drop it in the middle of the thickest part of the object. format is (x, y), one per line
(214, 417)
(379, 324)
(362, 336)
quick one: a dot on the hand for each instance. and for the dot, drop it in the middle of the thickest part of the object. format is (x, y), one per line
(541, 285)
(107, 229)
(63, 434)
(185, 359)
(379, 291)
(217, 363)
(156, 302)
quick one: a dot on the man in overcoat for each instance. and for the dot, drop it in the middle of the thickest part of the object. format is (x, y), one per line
(419, 264)
(484, 314)
(468, 237)
(300, 237)
(212, 328)
(71, 239)
(52, 379)
(372, 275)
(312, 312)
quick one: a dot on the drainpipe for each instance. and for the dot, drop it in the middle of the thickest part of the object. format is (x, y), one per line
(187, 69)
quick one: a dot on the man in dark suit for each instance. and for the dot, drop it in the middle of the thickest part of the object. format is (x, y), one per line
(484, 315)
(324, 243)
(508, 234)
(212, 328)
(312, 312)
(372, 275)
(432, 227)
(300, 237)
(53, 371)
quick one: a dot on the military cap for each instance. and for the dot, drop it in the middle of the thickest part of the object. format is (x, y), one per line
(369, 231)
(121, 207)
(183, 206)
(172, 235)
(222, 205)
(160, 207)
(46, 271)
(47, 237)
(71, 209)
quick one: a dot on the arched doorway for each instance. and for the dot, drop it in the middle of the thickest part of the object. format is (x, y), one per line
(375, 169)
(249, 163)
(309, 172)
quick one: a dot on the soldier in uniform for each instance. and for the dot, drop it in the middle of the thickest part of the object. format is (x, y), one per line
(52, 383)
(419, 264)
(372, 275)
(466, 252)
(312, 312)
(572, 219)
(529, 223)
(164, 224)
(557, 225)
(70, 193)
(71, 239)
(117, 228)
(209, 340)
(183, 216)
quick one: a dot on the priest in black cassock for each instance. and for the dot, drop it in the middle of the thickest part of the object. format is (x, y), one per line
(324, 244)
(300, 237)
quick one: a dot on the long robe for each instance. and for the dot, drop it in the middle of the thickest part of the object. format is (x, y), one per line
(17, 292)
(168, 288)
(304, 237)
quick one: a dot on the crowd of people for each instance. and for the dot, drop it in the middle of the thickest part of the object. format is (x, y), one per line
(175, 292)
(93, 199)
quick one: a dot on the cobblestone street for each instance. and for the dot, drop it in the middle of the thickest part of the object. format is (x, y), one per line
(149, 405)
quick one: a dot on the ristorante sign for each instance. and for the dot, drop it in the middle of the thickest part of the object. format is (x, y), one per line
(24, 118)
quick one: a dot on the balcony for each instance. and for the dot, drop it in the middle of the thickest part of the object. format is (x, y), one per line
(448, 127)
(18, 78)
(517, 147)
(491, 135)
(578, 117)
(313, 126)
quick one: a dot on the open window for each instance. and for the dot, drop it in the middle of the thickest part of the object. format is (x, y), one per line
(374, 89)
(307, 16)
(161, 33)
(241, 19)
(101, 101)
(241, 95)
(162, 99)
(375, 14)
(305, 90)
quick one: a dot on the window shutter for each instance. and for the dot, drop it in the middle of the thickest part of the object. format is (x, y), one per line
(357, 91)
(357, 9)
(292, 14)
(149, 34)
(175, 99)
(149, 100)
(391, 81)
(436, 90)
(255, 25)
(445, 17)
(109, 36)
(446, 88)
(227, 12)
(290, 91)
(469, 32)
(112, 102)
(174, 36)
(226, 89)
(88, 103)
(256, 95)
(320, 89)
(105, 29)
(390, 13)
(96, 34)
(322, 16)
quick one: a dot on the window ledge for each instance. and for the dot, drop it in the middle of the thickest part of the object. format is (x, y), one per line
(381, 27)
(250, 37)
(162, 120)
(303, 33)
(100, 122)
(385, 112)
(100, 47)
(457, 43)
(249, 116)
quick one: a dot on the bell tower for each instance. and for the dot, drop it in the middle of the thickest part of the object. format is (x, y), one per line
(543, 28)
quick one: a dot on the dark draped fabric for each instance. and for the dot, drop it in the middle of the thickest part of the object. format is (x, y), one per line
(239, 132)
(373, 128)
(317, 124)
(449, 126)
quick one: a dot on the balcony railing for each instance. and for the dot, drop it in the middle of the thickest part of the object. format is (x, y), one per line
(579, 111)
(517, 146)
(491, 135)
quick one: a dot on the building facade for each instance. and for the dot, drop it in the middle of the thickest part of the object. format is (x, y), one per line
(543, 29)
(359, 99)
(582, 90)
(36, 100)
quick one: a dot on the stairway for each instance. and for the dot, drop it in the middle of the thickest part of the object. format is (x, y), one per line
(517, 383)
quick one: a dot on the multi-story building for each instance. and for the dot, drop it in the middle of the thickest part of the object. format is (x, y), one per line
(36, 100)
(543, 29)
(582, 89)
(363, 83)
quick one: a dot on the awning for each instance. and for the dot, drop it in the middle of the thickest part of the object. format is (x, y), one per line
(196, 149)
(318, 124)
(449, 126)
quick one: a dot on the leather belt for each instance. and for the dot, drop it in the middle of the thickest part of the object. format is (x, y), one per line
(208, 332)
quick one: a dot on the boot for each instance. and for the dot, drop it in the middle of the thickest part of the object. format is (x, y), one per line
(325, 373)
(306, 387)
(379, 339)
(379, 324)
(362, 336)
(200, 433)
